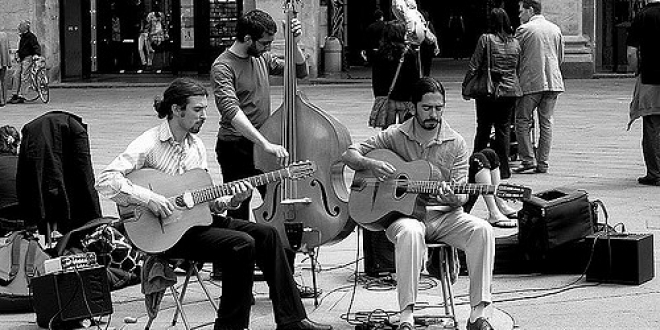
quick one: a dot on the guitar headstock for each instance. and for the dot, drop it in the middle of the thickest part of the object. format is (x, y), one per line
(301, 169)
(512, 191)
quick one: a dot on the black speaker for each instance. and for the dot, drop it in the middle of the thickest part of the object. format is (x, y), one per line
(71, 295)
(630, 261)
(378, 254)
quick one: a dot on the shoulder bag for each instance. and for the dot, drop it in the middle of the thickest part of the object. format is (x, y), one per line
(381, 114)
(479, 83)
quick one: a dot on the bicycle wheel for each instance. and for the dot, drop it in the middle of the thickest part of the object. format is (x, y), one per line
(32, 90)
(42, 83)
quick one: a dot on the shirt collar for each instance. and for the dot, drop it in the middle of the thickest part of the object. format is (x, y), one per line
(445, 133)
(535, 17)
(165, 134)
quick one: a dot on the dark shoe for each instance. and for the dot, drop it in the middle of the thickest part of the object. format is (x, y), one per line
(305, 324)
(649, 181)
(406, 326)
(220, 326)
(17, 100)
(540, 169)
(524, 168)
(479, 324)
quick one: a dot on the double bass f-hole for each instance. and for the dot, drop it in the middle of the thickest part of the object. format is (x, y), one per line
(319, 202)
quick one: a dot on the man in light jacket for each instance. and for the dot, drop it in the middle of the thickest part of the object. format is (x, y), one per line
(542, 46)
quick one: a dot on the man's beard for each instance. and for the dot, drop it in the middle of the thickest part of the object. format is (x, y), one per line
(429, 123)
(252, 51)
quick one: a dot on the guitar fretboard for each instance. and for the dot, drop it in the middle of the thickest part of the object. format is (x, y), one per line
(213, 192)
(434, 187)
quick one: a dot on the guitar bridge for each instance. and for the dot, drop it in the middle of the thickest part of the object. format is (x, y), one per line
(292, 201)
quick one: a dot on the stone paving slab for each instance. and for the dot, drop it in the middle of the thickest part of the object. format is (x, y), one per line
(592, 151)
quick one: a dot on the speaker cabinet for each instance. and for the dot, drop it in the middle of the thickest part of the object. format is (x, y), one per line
(378, 254)
(631, 258)
(71, 296)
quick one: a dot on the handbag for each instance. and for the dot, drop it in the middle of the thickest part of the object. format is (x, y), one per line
(381, 115)
(479, 83)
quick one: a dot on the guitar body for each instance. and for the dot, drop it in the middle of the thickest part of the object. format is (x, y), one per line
(374, 205)
(145, 230)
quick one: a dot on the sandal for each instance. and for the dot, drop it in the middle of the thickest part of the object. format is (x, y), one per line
(508, 223)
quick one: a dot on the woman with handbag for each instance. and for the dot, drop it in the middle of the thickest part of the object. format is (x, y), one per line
(492, 81)
(394, 70)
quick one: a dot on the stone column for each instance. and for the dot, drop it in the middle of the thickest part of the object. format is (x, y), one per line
(575, 18)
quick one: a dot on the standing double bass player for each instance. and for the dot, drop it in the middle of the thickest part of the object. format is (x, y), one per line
(242, 95)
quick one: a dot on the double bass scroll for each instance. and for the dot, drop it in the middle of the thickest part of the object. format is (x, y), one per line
(319, 202)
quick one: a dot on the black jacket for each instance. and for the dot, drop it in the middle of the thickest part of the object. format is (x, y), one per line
(28, 46)
(55, 178)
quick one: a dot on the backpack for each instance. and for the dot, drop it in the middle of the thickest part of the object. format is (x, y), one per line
(21, 259)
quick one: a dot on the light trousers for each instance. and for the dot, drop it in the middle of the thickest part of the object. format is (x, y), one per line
(544, 104)
(456, 228)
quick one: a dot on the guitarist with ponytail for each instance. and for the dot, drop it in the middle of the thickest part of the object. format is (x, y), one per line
(427, 136)
(174, 151)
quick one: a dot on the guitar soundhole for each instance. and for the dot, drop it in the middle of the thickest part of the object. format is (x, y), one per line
(400, 186)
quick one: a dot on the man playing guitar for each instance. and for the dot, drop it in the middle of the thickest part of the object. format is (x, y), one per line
(427, 136)
(174, 149)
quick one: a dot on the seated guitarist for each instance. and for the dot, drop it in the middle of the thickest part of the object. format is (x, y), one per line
(173, 147)
(427, 136)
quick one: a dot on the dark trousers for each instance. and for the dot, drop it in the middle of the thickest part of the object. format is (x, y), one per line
(237, 245)
(236, 159)
(495, 113)
(651, 145)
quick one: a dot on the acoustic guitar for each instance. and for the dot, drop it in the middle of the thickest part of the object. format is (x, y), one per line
(190, 193)
(375, 204)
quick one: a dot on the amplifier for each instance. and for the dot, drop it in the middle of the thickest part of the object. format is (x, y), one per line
(71, 262)
(631, 258)
(73, 295)
(378, 254)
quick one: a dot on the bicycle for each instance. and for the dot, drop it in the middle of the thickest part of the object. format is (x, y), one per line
(38, 81)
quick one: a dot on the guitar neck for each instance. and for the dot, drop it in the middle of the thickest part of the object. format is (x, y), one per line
(213, 192)
(435, 188)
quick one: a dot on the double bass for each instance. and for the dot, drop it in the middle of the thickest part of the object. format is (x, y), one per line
(314, 210)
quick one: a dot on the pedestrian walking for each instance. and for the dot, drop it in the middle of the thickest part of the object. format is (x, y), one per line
(542, 46)
(643, 54)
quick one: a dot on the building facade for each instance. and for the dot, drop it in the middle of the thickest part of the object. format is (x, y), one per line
(93, 37)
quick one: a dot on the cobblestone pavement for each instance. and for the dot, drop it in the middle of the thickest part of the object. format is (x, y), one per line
(591, 151)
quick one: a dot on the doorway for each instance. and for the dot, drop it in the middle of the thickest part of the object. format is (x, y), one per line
(136, 36)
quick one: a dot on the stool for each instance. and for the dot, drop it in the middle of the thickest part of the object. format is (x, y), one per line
(179, 296)
(444, 254)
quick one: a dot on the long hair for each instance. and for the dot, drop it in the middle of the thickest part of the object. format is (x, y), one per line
(393, 43)
(500, 25)
(178, 93)
(255, 23)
